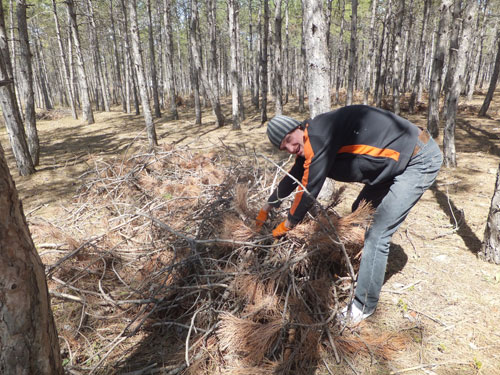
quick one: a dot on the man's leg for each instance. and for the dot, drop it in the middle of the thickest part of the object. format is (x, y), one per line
(395, 205)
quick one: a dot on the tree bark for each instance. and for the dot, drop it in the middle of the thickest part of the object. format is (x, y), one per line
(233, 14)
(278, 53)
(493, 81)
(87, 113)
(352, 52)
(490, 250)
(263, 62)
(477, 50)
(67, 81)
(26, 75)
(141, 77)
(420, 58)
(195, 47)
(10, 110)
(28, 337)
(152, 53)
(117, 61)
(450, 159)
(318, 82)
(437, 68)
(169, 59)
(371, 51)
(396, 67)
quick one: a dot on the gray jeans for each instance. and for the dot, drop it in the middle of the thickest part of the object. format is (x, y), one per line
(393, 202)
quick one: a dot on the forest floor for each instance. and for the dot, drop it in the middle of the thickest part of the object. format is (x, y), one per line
(438, 292)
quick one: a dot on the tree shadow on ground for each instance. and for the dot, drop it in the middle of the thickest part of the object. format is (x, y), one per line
(484, 140)
(457, 219)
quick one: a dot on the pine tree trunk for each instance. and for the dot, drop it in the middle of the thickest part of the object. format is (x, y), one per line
(152, 53)
(318, 82)
(26, 71)
(233, 14)
(117, 61)
(87, 113)
(278, 52)
(28, 338)
(493, 81)
(396, 67)
(437, 67)
(169, 59)
(340, 52)
(302, 66)
(195, 47)
(44, 90)
(417, 84)
(67, 81)
(263, 62)
(100, 81)
(371, 51)
(476, 54)
(456, 85)
(10, 110)
(139, 68)
(490, 250)
(379, 76)
(352, 52)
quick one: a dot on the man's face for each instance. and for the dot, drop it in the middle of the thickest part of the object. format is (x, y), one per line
(293, 142)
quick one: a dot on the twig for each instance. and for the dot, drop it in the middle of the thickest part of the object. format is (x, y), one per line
(427, 365)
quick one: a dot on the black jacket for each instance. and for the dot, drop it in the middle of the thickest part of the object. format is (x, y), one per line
(353, 144)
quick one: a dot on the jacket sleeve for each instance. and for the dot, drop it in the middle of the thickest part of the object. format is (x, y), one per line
(315, 172)
(287, 184)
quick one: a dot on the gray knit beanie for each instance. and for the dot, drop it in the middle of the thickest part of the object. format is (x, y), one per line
(279, 126)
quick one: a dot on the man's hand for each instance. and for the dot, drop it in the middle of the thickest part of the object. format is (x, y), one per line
(281, 229)
(262, 217)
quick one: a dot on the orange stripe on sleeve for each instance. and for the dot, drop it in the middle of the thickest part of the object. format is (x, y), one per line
(309, 154)
(370, 150)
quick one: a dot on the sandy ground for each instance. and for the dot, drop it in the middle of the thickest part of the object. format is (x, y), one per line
(438, 292)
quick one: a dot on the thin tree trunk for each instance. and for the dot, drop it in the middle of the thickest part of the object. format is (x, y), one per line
(456, 85)
(478, 46)
(139, 68)
(41, 73)
(26, 71)
(28, 338)
(338, 74)
(169, 59)
(379, 79)
(154, 75)
(67, 81)
(195, 47)
(318, 87)
(263, 62)
(493, 81)
(437, 68)
(278, 52)
(237, 99)
(352, 52)
(87, 113)
(369, 59)
(396, 67)
(417, 84)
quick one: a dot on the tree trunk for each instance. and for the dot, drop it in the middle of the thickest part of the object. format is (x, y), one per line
(88, 114)
(263, 62)
(28, 337)
(421, 55)
(139, 68)
(493, 81)
(437, 67)
(379, 80)
(476, 54)
(456, 85)
(26, 71)
(195, 47)
(152, 53)
(396, 67)
(67, 81)
(369, 59)
(490, 250)
(101, 86)
(12, 117)
(302, 65)
(169, 59)
(233, 14)
(278, 52)
(318, 87)
(352, 52)
(117, 61)
(44, 89)
(340, 52)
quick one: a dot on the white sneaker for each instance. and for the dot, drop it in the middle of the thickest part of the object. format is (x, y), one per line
(352, 315)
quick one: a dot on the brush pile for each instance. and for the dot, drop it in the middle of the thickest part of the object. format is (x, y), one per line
(157, 267)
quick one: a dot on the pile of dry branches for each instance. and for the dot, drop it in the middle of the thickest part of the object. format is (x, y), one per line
(157, 267)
